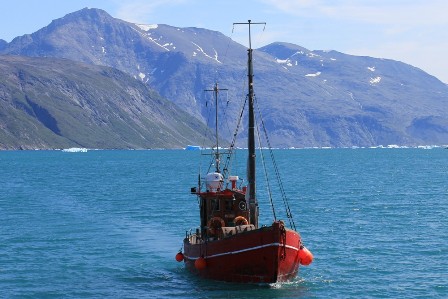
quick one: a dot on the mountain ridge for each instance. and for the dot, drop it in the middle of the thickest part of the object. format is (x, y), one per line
(307, 98)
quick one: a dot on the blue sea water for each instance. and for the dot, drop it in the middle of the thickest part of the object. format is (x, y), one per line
(107, 224)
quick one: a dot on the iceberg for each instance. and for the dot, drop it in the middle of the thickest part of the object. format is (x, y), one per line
(75, 150)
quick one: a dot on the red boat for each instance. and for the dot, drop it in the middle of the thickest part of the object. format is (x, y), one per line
(230, 245)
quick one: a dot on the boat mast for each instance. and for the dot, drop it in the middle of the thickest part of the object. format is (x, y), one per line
(253, 205)
(215, 91)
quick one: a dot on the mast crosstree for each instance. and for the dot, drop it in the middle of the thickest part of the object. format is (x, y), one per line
(216, 90)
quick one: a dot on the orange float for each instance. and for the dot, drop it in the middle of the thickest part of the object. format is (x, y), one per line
(200, 263)
(305, 256)
(179, 257)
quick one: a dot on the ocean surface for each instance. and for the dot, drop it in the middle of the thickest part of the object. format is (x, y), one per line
(108, 224)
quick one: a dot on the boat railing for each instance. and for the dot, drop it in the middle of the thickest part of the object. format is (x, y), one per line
(193, 238)
(228, 231)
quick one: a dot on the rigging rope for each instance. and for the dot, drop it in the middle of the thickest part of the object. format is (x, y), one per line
(268, 184)
(232, 144)
(277, 173)
(225, 170)
(235, 134)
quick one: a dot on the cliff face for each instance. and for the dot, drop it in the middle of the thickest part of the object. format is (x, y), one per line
(307, 98)
(58, 103)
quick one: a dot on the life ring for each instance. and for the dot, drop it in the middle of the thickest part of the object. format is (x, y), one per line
(240, 220)
(214, 224)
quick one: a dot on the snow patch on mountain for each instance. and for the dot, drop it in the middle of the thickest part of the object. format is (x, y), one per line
(353, 99)
(148, 36)
(285, 61)
(371, 68)
(155, 41)
(147, 27)
(375, 80)
(313, 75)
(216, 55)
(298, 53)
(199, 48)
(311, 55)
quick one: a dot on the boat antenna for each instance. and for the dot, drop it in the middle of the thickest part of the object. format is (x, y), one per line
(215, 90)
(251, 130)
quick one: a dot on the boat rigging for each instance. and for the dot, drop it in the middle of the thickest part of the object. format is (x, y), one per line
(229, 245)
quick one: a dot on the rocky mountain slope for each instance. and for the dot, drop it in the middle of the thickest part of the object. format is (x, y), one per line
(307, 98)
(58, 103)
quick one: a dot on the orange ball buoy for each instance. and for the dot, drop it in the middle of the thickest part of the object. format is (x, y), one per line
(179, 257)
(305, 256)
(200, 263)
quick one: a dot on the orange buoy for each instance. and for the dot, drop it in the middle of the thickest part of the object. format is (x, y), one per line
(200, 263)
(305, 256)
(179, 256)
(240, 220)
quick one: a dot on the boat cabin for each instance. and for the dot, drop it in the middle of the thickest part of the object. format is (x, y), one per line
(223, 208)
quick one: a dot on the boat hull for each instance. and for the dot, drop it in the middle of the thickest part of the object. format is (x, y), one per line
(264, 255)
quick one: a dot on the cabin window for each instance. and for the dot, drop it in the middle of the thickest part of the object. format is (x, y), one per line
(215, 204)
(229, 205)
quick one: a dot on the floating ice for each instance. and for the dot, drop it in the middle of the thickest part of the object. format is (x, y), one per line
(75, 150)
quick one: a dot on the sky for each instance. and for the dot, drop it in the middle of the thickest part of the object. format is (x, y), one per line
(411, 31)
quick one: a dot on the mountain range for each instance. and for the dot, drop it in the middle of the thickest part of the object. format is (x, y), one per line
(306, 98)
